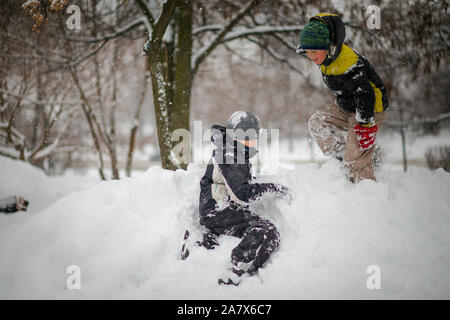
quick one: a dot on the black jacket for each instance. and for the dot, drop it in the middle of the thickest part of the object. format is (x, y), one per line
(356, 85)
(228, 177)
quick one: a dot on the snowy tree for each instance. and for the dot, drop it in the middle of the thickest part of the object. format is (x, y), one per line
(178, 44)
(37, 112)
(176, 49)
(182, 35)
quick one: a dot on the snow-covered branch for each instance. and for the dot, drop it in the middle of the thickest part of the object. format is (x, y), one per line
(210, 27)
(9, 153)
(247, 31)
(242, 33)
(260, 30)
(15, 134)
(43, 149)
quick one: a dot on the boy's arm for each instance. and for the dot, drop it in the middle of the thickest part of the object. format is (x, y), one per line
(364, 95)
(238, 184)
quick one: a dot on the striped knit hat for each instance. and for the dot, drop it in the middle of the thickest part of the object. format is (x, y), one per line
(315, 36)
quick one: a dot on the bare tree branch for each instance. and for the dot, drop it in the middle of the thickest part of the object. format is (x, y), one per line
(76, 63)
(71, 103)
(206, 50)
(281, 59)
(110, 36)
(146, 10)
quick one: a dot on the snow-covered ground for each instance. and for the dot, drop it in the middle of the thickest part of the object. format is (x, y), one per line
(125, 236)
(19, 178)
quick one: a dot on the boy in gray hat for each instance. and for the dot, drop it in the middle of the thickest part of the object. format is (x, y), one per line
(226, 190)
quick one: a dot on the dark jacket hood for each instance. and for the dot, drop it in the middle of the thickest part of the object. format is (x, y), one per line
(337, 34)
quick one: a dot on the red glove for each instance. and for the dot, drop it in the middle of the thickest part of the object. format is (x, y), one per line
(365, 135)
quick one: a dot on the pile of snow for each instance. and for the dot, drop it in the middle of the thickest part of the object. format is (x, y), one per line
(125, 236)
(21, 178)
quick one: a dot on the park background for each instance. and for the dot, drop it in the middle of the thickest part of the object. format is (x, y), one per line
(86, 116)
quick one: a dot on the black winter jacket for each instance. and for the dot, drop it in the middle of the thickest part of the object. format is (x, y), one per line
(227, 180)
(356, 85)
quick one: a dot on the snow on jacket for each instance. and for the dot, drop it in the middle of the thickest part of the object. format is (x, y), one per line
(356, 85)
(228, 179)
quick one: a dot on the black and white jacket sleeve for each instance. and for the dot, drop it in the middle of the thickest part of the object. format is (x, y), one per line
(240, 187)
(358, 82)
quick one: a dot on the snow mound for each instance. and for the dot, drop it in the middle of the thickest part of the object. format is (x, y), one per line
(125, 236)
(21, 178)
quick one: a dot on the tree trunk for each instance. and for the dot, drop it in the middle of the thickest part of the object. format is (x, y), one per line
(112, 118)
(156, 59)
(172, 83)
(160, 102)
(172, 114)
(87, 110)
(180, 107)
(135, 127)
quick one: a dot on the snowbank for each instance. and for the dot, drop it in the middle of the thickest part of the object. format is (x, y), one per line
(21, 178)
(126, 235)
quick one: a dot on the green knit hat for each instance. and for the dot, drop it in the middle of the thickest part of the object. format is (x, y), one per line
(315, 36)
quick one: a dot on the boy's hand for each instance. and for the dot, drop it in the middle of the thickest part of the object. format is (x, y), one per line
(285, 193)
(366, 135)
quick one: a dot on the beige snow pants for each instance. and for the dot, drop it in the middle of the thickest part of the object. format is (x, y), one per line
(328, 127)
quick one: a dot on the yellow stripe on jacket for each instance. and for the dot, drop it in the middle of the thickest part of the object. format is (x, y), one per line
(378, 101)
(346, 59)
(343, 63)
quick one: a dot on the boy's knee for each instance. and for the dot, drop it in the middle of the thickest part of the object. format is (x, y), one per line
(263, 231)
(315, 118)
(316, 122)
(270, 234)
(208, 222)
(274, 237)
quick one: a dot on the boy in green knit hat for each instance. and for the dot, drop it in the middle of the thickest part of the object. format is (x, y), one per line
(360, 96)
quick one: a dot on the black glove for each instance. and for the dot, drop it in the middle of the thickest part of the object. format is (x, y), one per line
(284, 192)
